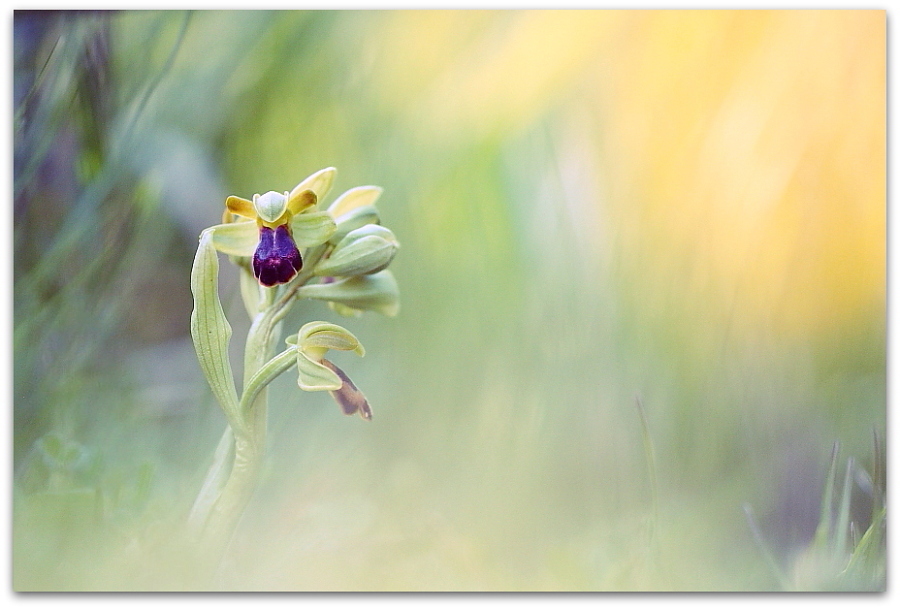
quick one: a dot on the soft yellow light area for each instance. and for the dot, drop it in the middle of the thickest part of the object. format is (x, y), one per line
(515, 63)
(742, 152)
(746, 154)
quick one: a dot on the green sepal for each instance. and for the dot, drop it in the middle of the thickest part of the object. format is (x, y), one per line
(312, 228)
(250, 291)
(376, 292)
(344, 310)
(315, 376)
(210, 329)
(235, 238)
(322, 334)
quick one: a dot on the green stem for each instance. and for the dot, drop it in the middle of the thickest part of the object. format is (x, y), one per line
(249, 443)
(249, 438)
(273, 368)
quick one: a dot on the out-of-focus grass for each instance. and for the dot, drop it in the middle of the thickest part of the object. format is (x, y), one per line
(685, 206)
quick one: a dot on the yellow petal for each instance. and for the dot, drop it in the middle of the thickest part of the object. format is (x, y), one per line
(301, 201)
(240, 207)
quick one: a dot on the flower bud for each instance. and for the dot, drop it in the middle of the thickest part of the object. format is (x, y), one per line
(356, 218)
(376, 292)
(313, 341)
(363, 251)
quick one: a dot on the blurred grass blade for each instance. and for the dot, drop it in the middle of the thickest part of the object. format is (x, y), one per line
(761, 544)
(843, 521)
(650, 456)
(879, 482)
(823, 531)
(866, 554)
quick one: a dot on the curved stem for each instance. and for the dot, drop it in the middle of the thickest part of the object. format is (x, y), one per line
(283, 304)
(249, 437)
(235, 495)
(249, 444)
(268, 373)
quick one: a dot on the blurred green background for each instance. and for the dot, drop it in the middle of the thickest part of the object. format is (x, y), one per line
(596, 208)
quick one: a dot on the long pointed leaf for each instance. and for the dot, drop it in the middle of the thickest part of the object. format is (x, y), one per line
(210, 329)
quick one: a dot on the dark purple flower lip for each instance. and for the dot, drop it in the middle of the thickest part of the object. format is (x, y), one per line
(276, 259)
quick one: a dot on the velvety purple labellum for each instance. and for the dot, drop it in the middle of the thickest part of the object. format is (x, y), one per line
(276, 259)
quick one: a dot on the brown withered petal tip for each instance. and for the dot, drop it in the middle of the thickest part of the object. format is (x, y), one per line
(349, 398)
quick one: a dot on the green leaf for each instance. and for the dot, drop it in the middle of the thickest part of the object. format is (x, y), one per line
(377, 292)
(210, 329)
(313, 228)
